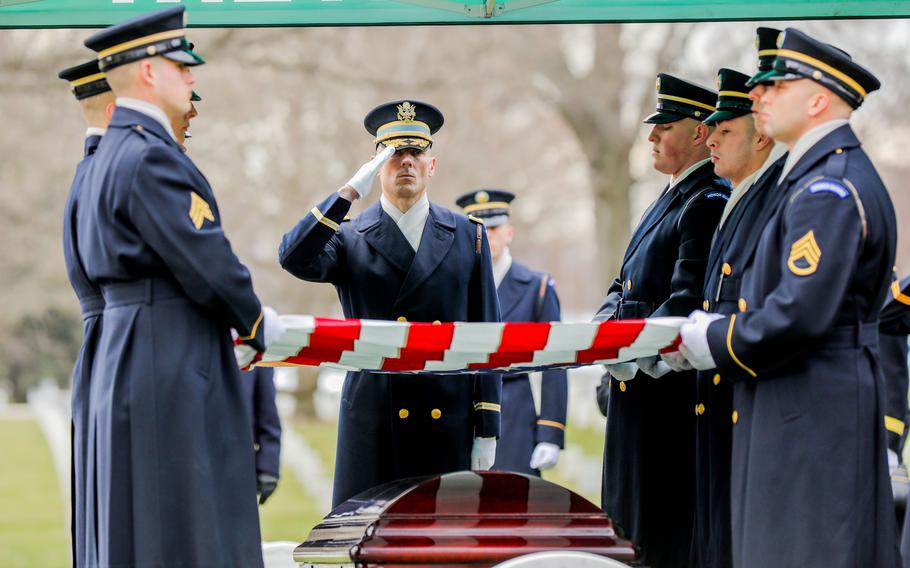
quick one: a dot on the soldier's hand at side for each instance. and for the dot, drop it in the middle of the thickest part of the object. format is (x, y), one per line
(677, 361)
(694, 344)
(265, 486)
(483, 453)
(362, 182)
(544, 456)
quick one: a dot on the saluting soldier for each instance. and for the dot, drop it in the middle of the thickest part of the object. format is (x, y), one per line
(171, 459)
(807, 339)
(529, 442)
(751, 162)
(404, 259)
(648, 485)
(96, 100)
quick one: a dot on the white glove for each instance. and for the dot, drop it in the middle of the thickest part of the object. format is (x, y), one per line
(653, 366)
(244, 355)
(694, 344)
(545, 456)
(483, 453)
(362, 182)
(622, 371)
(677, 361)
(893, 462)
(272, 329)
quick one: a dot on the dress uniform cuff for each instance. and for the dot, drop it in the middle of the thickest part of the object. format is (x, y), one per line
(487, 419)
(255, 334)
(721, 342)
(330, 212)
(551, 431)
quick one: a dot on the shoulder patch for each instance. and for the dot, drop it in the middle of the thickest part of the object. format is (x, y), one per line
(829, 186)
(475, 219)
(717, 195)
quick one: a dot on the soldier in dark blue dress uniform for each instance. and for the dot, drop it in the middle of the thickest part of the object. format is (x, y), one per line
(170, 457)
(806, 335)
(752, 163)
(648, 483)
(97, 102)
(408, 259)
(893, 330)
(529, 441)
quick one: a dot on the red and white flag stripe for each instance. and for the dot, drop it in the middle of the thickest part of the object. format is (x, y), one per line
(466, 347)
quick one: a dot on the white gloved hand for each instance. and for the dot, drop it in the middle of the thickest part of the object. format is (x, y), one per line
(483, 453)
(544, 456)
(677, 361)
(622, 371)
(272, 329)
(244, 355)
(653, 366)
(362, 182)
(694, 346)
(893, 461)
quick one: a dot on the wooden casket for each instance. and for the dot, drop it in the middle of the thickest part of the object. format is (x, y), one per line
(467, 518)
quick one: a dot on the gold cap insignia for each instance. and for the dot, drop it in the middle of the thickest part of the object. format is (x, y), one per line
(804, 255)
(657, 84)
(200, 212)
(406, 111)
(482, 197)
(780, 39)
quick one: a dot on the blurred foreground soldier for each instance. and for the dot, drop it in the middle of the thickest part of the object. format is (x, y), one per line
(648, 457)
(894, 328)
(258, 383)
(170, 448)
(809, 479)
(403, 259)
(528, 442)
(752, 164)
(96, 100)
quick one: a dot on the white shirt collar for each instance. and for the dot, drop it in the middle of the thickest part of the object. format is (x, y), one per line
(676, 180)
(411, 222)
(94, 131)
(746, 184)
(807, 141)
(149, 110)
(501, 267)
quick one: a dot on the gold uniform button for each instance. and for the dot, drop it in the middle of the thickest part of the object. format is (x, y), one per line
(726, 269)
(622, 386)
(402, 318)
(735, 417)
(628, 284)
(743, 305)
(403, 413)
(706, 305)
(716, 380)
(699, 409)
(436, 414)
(839, 151)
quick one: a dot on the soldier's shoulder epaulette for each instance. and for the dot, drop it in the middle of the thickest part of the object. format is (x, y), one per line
(475, 219)
(140, 130)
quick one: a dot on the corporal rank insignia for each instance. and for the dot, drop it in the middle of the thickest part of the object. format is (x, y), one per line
(200, 211)
(804, 255)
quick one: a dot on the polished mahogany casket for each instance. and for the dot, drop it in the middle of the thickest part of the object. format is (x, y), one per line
(460, 519)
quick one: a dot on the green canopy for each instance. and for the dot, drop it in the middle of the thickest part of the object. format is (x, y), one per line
(231, 13)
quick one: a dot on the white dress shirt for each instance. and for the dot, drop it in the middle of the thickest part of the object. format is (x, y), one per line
(501, 266)
(149, 110)
(808, 140)
(411, 222)
(94, 131)
(676, 180)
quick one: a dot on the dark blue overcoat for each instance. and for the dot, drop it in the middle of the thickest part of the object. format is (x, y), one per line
(259, 393)
(648, 485)
(522, 428)
(170, 455)
(809, 477)
(402, 425)
(732, 251)
(91, 304)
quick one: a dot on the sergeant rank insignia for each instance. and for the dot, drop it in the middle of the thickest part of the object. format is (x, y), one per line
(804, 255)
(199, 211)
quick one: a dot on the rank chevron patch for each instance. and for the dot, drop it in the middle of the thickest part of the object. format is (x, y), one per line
(199, 211)
(804, 255)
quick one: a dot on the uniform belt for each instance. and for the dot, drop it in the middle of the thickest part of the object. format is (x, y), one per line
(91, 305)
(143, 291)
(858, 335)
(633, 309)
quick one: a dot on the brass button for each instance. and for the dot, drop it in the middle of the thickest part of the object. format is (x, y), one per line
(839, 151)
(743, 305)
(402, 318)
(716, 380)
(706, 305)
(726, 269)
(735, 417)
(403, 413)
(436, 414)
(622, 386)
(629, 284)
(437, 322)
(699, 409)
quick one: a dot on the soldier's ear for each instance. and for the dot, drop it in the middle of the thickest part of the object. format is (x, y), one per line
(432, 169)
(702, 131)
(109, 110)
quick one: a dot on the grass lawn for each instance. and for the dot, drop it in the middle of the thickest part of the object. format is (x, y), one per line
(33, 526)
